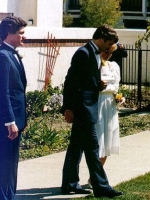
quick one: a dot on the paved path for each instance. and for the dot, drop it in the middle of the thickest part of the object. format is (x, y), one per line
(40, 178)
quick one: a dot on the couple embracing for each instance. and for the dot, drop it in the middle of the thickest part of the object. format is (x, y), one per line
(80, 107)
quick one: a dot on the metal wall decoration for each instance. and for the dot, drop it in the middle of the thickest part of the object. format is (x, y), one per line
(51, 56)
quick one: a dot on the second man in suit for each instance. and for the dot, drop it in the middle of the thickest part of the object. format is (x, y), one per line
(80, 107)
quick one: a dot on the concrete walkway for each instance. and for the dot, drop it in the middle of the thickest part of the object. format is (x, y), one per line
(41, 178)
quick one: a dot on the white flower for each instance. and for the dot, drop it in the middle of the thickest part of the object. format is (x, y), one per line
(56, 99)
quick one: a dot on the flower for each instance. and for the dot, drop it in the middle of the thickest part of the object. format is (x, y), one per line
(119, 99)
(118, 96)
(54, 103)
(56, 99)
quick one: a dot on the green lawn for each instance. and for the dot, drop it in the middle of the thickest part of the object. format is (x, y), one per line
(135, 189)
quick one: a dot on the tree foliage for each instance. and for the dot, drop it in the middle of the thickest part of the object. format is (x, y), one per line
(67, 20)
(145, 37)
(97, 12)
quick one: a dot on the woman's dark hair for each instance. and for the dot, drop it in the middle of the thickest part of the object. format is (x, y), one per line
(10, 25)
(105, 32)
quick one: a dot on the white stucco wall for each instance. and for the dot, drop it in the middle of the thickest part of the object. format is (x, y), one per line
(28, 10)
(49, 13)
(35, 63)
(9, 6)
(45, 13)
(3, 6)
(127, 36)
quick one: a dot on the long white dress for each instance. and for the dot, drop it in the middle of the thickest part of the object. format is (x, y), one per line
(107, 127)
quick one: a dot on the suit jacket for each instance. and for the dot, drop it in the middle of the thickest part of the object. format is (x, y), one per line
(12, 88)
(82, 85)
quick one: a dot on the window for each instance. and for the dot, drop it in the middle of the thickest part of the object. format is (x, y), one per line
(74, 4)
(131, 5)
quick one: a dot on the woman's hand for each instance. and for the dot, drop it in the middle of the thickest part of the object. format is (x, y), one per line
(103, 84)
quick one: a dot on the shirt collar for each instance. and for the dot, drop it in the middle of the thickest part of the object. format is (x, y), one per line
(9, 45)
(94, 45)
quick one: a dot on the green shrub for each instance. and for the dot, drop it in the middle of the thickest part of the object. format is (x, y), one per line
(37, 100)
(35, 103)
(67, 20)
(124, 90)
(42, 138)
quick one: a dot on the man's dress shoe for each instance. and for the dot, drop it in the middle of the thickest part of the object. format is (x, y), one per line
(75, 191)
(110, 194)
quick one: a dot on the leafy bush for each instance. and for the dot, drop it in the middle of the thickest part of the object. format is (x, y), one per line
(35, 103)
(41, 138)
(67, 20)
(37, 100)
(124, 90)
(97, 12)
(55, 90)
(54, 104)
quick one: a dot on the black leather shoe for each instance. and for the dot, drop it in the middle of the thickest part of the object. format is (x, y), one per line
(74, 191)
(109, 194)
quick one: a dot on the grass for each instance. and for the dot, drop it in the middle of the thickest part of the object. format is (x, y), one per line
(135, 189)
(134, 123)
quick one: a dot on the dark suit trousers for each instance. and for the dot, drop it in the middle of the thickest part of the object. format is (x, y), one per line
(83, 138)
(9, 154)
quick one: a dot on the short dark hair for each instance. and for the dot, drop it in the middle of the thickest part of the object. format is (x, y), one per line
(105, 32)
(10, 25)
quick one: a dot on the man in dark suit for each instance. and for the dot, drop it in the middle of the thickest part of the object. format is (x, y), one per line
(12, 103)
(80, 106)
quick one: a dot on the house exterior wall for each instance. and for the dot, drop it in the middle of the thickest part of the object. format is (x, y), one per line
(9, 6)
(45, 13)
(49, 13)
(28, 10)
(35, 62)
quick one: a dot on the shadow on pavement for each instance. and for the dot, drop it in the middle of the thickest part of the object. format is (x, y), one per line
(37, 193)
(43, 194)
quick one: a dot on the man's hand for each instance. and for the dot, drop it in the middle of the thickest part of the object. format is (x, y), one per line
(12, 131)
(103, 84)
(69, 116)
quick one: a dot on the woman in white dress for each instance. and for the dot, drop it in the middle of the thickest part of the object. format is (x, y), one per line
(107, 126)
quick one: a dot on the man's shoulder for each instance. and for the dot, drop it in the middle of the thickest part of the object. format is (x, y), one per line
(5, 54)
(86, 48)
(4, 51)
(83, 48)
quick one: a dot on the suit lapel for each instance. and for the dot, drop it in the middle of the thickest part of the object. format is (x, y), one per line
(92, 54)
(20, 67)
(95, 66)
(18, 64)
